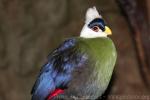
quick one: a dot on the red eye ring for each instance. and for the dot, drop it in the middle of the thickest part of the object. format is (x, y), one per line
(95, 28)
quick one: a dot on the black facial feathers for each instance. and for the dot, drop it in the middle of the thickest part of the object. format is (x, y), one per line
(97, 22)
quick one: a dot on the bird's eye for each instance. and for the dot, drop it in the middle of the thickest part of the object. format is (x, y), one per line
(95, 28)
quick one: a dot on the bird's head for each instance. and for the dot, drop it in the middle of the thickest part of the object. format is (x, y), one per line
(94, 25)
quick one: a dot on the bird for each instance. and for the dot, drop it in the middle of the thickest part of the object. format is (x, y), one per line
(80, 67)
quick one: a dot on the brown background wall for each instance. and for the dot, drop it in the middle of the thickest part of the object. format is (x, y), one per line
(30, 29)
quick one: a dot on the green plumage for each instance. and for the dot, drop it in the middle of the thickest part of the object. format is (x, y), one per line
(94, 78)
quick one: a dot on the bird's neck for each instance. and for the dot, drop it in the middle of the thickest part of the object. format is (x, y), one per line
(88, 33)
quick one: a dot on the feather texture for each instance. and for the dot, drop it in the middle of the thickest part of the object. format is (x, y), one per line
(81, 67)
(57, 72)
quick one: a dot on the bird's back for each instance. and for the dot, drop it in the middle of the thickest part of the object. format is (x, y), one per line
(81, 67)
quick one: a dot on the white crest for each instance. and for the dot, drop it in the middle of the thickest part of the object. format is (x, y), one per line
(91, 14)
(86, 32)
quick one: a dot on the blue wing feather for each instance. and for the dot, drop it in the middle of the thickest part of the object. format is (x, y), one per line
(57, 72)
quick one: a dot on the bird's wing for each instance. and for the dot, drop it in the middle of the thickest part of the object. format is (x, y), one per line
(57, 72)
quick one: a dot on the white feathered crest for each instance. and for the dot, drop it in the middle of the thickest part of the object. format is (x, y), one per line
(91, 14)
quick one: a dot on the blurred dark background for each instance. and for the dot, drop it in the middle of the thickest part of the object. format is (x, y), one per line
(30, 29)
